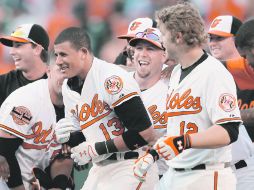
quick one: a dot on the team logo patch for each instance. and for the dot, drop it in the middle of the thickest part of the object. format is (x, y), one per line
(227, 102)
(21, 115)
(113, 84)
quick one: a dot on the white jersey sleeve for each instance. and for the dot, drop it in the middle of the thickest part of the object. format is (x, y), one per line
(221, 100)
(17, 114)
(118, 86)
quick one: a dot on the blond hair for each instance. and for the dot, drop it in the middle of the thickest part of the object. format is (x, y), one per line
(183, 18)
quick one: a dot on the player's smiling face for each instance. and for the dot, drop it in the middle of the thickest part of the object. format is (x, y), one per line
(148, 59)
(22, 54)
(68, 59)
(221, 47)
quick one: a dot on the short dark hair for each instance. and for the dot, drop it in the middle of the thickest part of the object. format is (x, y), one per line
(245, 35)
(78, 37)
(44, 54)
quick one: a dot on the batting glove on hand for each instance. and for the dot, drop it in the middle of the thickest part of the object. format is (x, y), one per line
(170, 147)
(143, 164)
(64, 127)
(85, 153)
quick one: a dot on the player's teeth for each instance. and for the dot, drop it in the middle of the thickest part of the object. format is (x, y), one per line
(143, 62)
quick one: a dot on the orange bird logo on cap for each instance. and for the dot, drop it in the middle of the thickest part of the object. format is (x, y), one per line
(215, 23)
(135, 25)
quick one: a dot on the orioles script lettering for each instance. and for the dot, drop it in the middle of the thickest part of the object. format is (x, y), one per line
(95, 111)
(177, 101)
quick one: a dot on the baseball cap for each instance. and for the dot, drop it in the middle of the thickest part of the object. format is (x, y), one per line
(225, 26)
(137, 25)
(151, 35)
(27, 33)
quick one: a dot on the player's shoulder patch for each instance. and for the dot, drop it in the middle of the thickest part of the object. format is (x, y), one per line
(21, 115)
(113, 84)
(227, 102)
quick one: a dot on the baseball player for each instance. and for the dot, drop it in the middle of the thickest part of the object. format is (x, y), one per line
(106, 100)
(27, 141)
(221, 34)
(222, 45)
(149, 57)
(203, 116)
(135, 26)
(29, 50)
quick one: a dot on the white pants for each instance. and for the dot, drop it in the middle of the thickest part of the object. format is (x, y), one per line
(119, 175)
(221, 179)
(245, 176)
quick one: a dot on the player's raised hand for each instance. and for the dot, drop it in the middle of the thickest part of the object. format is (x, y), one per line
(143, 164)
(64, 127)
(170, 147)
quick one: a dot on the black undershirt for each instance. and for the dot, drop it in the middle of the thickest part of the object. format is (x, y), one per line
(187, 70)
(59, 112)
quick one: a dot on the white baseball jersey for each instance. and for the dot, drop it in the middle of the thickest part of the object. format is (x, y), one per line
(29, 114)
(154, 100)
(105, 87)
(205, 97)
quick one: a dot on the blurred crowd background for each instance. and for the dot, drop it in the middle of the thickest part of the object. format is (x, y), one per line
(103, 19)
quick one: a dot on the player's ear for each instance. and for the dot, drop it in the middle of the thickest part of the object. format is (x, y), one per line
(37, 49)
(164, 57)
(84, 52)
(178, 37)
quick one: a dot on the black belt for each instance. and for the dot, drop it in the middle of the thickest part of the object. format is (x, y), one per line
(126, 156)
(240, 164)
(198, 167)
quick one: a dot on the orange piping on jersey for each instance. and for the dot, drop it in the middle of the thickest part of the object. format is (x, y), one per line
(172, 114)
(215, 180)
(242, 72)
(17, 133)
(33, 146)
(228, 119)
(160, 126)
(124, 98)
(95, 120)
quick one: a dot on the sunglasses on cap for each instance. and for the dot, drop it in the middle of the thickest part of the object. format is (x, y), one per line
(150, 36)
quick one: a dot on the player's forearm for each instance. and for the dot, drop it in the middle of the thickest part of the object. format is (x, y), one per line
(247, 116)
(149, 135)
(214, 137)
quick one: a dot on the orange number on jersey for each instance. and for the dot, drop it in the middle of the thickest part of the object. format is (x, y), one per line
(104, 130)
(190, 128)
(112, 122)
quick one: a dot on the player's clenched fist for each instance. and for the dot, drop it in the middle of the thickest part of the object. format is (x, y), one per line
(85, 152)
(143, 164)
(170, 147)
(64, 127)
